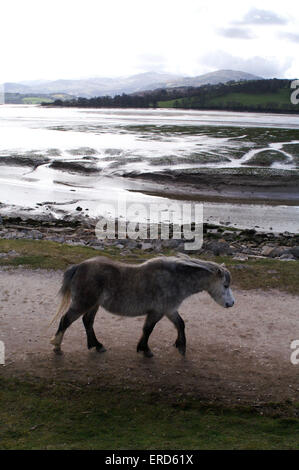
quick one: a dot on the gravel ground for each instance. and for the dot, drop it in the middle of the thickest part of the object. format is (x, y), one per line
(237, 355)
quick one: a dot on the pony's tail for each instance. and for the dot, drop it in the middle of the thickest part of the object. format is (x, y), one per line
(65, 292)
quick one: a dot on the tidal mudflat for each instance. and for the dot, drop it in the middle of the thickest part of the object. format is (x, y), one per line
(244, 167)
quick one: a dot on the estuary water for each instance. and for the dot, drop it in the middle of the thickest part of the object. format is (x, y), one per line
(54, 160)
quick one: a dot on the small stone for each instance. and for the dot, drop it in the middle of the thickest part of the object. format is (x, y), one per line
(129, 244)
(120, 246)
(146, 246)
(227, 232)
(76, 243)
(266, 250)
(171, 243)
(279, 251)
(295, 251)
(36, 235)
(220, 247)
(240, 257)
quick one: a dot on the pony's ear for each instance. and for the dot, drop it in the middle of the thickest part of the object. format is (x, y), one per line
(195, 264)
(219, 272)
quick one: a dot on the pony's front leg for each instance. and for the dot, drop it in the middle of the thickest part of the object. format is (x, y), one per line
(150, 322)
(179, 323)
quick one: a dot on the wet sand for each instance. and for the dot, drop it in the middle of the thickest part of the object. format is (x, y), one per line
(273, 211)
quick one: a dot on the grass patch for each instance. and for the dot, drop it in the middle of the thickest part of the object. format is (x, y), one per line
(279, 99)
(43, 254)
(52, 255)
(262, 273)
(51, 416)
(36, 100)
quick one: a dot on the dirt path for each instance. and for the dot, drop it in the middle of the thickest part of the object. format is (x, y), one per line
(239, 355)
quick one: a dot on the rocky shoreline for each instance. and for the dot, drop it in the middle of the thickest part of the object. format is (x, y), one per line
(241, 245)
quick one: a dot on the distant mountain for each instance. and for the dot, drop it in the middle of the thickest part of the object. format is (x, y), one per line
(220, 76)
(112, 86)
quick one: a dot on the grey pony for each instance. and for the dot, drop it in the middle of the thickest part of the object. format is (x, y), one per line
(154, 288)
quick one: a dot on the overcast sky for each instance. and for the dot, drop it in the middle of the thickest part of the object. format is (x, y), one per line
(51, 39)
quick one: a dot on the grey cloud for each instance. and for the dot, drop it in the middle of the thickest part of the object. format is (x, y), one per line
(236, 33)
(262, 66)
(289, 36)
(262, 17)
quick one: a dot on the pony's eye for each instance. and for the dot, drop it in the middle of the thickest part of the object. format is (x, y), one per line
(226, 286)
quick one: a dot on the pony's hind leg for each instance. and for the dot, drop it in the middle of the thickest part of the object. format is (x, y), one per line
(88, 320)
(150, 322)
(179, 323)
(66, 320)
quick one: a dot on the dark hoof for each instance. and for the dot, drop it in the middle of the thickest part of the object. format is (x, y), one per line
(181, 348)
(148, 353)
(101, 349)
(58, 351)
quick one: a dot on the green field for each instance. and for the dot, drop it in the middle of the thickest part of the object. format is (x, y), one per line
(36, 100)
(46, 415)
(279, 99)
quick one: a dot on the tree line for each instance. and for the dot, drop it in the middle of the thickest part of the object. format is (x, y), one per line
(190, 97)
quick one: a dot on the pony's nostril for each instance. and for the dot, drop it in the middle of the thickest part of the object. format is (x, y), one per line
(227, 305)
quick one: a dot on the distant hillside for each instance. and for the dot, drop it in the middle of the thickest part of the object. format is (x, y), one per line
(257, 95)
(213, 78)
(31, 98)
(91, 87)
(270, 95)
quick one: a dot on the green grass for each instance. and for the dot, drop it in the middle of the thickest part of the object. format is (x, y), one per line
(279, 99)
(248, 99)
(263, 273)
(36, 100)
(169, 103)
(51, 416)
(46, 254)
